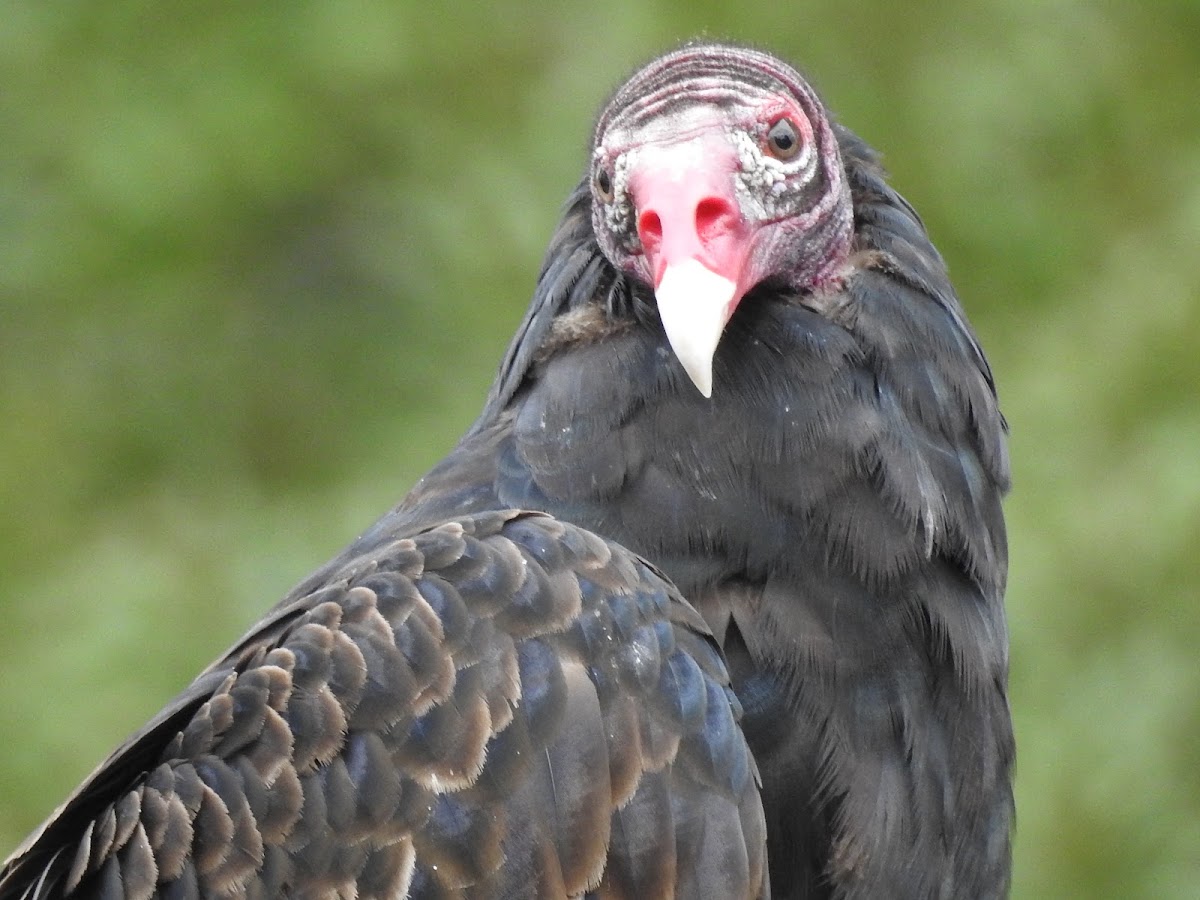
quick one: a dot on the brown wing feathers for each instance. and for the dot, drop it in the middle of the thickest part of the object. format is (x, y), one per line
(490, 706)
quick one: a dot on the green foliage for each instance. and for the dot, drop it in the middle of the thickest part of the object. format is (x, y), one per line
(258, 262)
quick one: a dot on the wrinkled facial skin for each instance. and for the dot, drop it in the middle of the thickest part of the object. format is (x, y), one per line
(682, 120)
(711, 173)
(728, 146)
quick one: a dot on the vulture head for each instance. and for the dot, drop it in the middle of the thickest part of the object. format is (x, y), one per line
(714, 170)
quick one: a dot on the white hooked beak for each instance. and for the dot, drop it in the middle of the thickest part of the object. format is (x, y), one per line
(695, 304)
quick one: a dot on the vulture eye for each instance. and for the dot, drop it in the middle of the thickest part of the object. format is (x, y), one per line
(783, 142)
(604, 185)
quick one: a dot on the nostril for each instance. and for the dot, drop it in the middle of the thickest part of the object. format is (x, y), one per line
(650, 230)
(714, 216)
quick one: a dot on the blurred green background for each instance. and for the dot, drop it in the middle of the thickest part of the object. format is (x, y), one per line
(259, 261)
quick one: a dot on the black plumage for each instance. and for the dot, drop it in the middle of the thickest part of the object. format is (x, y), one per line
(832, 510)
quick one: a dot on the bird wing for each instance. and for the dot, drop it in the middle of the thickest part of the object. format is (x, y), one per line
(504, 705)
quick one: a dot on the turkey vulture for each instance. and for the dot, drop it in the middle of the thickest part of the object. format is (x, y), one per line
(744, 370)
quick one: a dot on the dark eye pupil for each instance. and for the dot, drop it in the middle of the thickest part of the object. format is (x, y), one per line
(604, 183)
(782, 139)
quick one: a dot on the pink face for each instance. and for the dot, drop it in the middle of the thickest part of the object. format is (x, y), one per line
(704, 182)
(707, 185)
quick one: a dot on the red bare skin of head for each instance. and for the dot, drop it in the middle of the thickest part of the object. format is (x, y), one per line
(705, 199)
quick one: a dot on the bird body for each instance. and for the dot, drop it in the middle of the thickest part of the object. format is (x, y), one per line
(744, 362)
